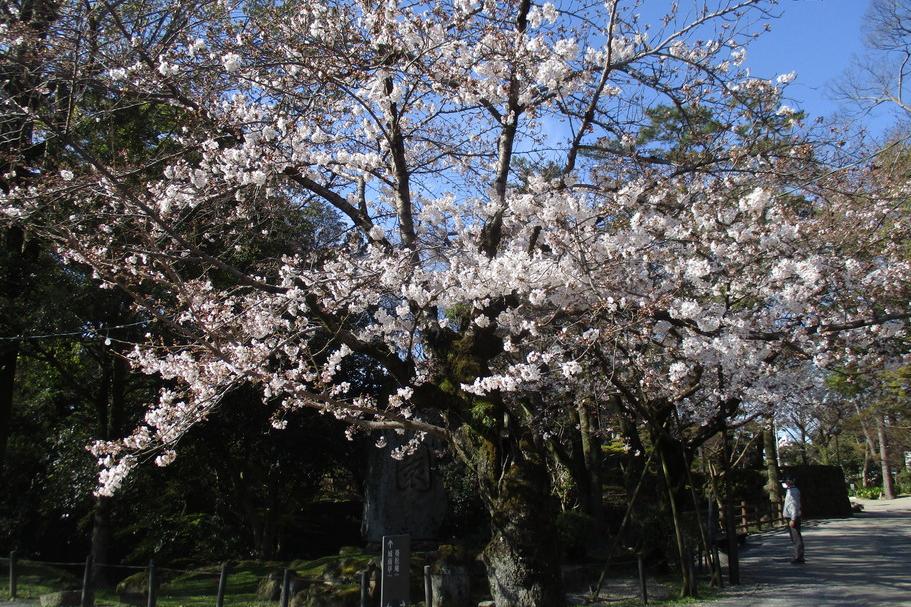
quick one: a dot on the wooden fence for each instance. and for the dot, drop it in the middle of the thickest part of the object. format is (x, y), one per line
(767, 516)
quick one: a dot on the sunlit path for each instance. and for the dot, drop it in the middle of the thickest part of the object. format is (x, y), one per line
(864, 560)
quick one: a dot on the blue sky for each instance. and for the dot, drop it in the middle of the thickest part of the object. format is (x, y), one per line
(817, 39)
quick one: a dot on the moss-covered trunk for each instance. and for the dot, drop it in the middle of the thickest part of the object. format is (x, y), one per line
(497, 441)
(591, 454)
(522, 557)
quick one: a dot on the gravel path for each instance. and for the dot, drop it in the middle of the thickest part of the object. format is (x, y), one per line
(860, 561)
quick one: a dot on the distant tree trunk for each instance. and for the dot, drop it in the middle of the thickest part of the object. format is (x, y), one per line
(256, 519)
(773, 485)
(9, 355)
(101, 517)
(15, 255)
(120, 374)
(888, 484)
(870, 451)
(868, 459)
(266, 548)
(110, 409)
(730, 527)
(9, 350)
(634, 466)
(804, 459)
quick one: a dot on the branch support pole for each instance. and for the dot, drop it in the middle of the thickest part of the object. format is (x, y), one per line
(88, 592)
(12, 574)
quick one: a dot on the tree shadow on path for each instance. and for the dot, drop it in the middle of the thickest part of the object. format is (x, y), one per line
(863, 560)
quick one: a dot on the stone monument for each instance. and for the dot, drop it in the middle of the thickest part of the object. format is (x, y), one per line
(403, 496)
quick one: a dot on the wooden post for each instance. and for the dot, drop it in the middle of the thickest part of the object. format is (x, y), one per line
(88, 594)
(428, 590)
(222, 584)
(153, 581)
(716, 567)
(643, 590)
(691, 571)
(730, 525)
(365, 588)
(731, 530)
(12, 574)
(712, 547)
(286, 588)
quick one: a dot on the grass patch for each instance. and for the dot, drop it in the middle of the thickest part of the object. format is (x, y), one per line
(663, 590)
(705, 595)
(34, 579)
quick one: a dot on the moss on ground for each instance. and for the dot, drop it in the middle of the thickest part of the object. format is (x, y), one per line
(194, 588)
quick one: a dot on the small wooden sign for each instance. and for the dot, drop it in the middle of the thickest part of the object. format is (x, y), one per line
(396, 558)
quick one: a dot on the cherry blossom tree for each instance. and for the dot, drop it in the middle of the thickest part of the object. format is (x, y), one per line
(488, 305)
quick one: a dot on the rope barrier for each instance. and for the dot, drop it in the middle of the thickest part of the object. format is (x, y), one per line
(54, 563)
(109, 565)
(89, 332)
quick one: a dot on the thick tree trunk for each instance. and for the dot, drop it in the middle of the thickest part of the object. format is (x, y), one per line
(591, 453)
(523, 558)
(509, 461)
(888, 483)
(102, 538)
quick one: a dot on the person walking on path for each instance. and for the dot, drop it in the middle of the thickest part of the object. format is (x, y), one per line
(792, 514)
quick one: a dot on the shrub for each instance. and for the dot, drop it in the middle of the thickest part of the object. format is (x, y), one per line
(903, 482)
(575, 532)
(869, 493)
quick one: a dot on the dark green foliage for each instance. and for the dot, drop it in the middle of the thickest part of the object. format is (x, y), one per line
(466, 518)
(62, 402)
(574, 531)
(903, 482)
(239, 487)
(682, 137)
